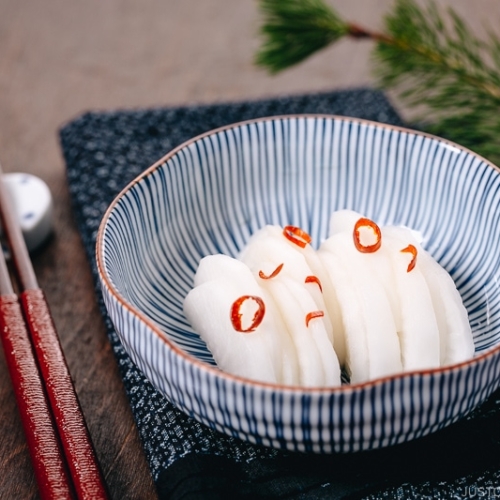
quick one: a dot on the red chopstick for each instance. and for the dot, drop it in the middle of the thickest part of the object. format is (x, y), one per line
(43, 442)
(70, 424)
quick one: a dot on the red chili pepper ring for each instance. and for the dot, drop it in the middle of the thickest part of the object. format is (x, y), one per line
(297, 236)
(312, 315)
(314, 279)
(363, 222)
(411, 249)
(235, 313)
(275, 273)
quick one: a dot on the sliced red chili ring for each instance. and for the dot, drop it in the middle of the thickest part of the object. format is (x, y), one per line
(411, 249)
(312, 315)
(236, 314)
(297, 236)
(314, 279)
(273, 274)
(363, 222)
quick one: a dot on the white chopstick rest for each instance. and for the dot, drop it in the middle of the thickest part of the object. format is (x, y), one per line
(32, 203)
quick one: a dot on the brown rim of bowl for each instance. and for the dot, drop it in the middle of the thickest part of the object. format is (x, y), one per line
(217, 372)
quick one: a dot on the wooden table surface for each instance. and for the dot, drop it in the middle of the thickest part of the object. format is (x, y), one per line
(59, 59)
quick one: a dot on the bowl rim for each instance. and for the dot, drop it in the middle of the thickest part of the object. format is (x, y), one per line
(214, 370)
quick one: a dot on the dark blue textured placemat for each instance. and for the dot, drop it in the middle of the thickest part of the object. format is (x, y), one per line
(103, 152)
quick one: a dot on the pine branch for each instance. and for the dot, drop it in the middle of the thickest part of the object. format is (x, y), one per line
(446, 59)
(295, 29)
(438, 62)
(427, 57)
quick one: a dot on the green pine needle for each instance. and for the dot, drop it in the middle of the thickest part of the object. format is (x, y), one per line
(429, 57)
(436, 61)
(443, 56)
(295, 29)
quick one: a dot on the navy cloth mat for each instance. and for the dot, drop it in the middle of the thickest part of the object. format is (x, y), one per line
(103, 152)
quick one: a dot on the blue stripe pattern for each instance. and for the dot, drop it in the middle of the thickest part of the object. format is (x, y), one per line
(209, 195)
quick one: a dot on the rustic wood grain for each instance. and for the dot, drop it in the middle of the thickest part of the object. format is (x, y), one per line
(59, 59)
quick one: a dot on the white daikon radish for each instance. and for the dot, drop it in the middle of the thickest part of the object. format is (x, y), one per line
(343, 221)
(270, 245)
(290, 373)
(286, 313)
(219, 266)
(224, 272)
(418, 331)
(357, 358)
(317, 362)
(330, 300)
(456, 340)
(329, 295)
(366, 310)
(379, 261)
(207, 307)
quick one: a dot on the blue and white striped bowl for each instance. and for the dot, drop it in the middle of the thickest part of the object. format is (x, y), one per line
(210, 194)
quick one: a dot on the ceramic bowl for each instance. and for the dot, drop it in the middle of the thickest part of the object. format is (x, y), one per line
(210, 194)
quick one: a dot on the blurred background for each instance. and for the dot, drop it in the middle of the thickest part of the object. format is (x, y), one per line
(59, 59)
